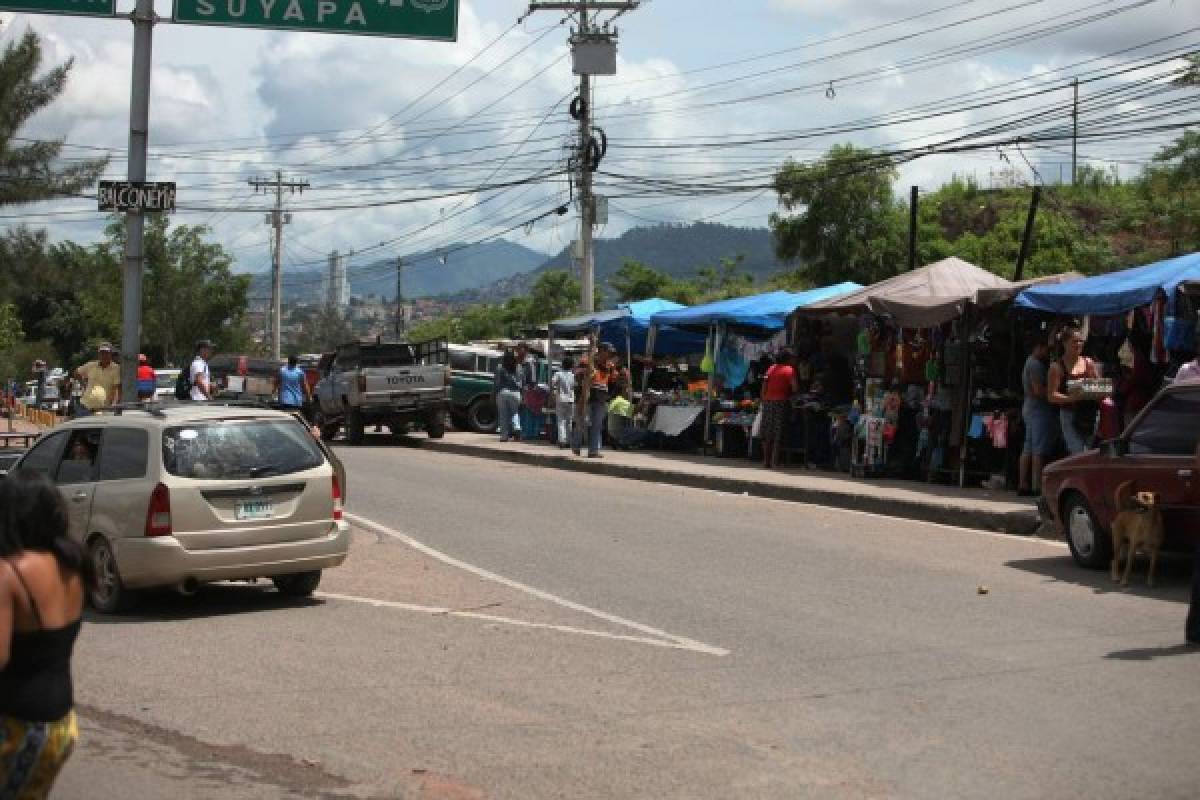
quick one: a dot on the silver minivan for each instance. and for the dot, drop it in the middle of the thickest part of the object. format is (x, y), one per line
(192, 493)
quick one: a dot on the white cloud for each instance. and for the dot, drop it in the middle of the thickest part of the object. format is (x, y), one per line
(252, 96)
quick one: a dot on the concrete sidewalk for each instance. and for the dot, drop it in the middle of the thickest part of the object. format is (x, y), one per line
(971, 508)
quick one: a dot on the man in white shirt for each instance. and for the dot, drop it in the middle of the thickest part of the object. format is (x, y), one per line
(198, 373)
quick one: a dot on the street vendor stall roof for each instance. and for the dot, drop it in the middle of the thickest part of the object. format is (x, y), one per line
(763, 311)
(928, 296)
(633, 319)
(1116, 292)
(985, 298)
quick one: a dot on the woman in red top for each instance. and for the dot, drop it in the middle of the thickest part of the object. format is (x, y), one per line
(778, 387)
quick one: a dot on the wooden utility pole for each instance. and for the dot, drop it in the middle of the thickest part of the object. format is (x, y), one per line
(588, 31)
(277, 220)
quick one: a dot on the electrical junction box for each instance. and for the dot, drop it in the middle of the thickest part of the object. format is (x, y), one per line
(594, 55)
(599, 210)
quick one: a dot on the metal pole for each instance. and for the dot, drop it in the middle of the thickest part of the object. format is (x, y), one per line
(1074, 129)
(277, 269)
(715, 341)
(139, 128)
(1027, 239)
(587, 301)
(912, 230)
(399, 298)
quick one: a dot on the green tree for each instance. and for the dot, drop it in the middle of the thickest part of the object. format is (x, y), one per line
(847, 225)
(555, 294)
(189, 291)
(31, 170)
(321, 330)
(64, 293)
(724, 280)
(636, 281)
(10, 327)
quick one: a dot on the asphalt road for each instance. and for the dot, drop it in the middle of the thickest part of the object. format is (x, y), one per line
(508, 632)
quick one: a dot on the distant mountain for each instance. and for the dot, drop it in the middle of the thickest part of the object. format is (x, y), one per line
(424, 275)
(678, 250)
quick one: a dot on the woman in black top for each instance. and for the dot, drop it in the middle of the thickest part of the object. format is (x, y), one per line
(42, 577)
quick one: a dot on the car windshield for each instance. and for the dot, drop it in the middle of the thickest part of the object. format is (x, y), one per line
(239, 449)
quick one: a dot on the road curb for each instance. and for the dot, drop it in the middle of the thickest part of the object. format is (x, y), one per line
(1022, 522)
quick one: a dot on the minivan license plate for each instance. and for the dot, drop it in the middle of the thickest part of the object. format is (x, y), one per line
(253, 509)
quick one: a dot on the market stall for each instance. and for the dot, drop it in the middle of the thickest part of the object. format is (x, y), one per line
(738, 332)
(1140, 324)
(928, 373)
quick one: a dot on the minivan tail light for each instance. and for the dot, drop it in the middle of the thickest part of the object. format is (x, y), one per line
(158, 514)
(337, 498)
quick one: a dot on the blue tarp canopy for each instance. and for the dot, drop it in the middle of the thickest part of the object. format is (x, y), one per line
(765, 312)
(632, 319)
(1117, 292)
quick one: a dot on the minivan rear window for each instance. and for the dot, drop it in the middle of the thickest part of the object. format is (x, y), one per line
(239, 449)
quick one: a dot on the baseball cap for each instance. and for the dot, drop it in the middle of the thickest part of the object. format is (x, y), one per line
(104, 346)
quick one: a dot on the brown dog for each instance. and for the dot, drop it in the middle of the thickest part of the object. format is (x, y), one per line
(1137, 526)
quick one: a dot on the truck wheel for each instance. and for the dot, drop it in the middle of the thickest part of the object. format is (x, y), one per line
(435, 425)
(355, 428)
(481, 416)
(1091, 545)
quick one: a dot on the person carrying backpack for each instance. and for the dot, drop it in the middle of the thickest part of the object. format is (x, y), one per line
(195, 382)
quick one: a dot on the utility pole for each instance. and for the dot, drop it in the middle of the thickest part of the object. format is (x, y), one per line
(914, 198)
(587, 272)
(277, 220)
(1074, 130)
(594, 52)
(135, 221)
(399, 298)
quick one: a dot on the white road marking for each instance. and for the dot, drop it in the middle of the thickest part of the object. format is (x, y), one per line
(521, 623)
(679, 641)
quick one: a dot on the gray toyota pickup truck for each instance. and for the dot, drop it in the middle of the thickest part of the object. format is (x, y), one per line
(398, 384)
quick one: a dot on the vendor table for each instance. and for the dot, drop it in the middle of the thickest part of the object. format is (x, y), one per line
(674, 420)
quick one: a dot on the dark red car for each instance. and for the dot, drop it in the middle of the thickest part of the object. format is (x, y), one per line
(1160, 450)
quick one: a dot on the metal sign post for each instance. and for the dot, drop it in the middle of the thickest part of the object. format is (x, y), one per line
(135, 221)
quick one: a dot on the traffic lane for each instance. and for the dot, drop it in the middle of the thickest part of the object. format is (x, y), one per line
(745, 572)
(821, 603)
(382, 698)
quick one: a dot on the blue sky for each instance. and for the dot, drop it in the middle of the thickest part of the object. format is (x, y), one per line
(413, 128)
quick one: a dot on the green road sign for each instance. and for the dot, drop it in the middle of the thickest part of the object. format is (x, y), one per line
(413, 19)
(91, 8)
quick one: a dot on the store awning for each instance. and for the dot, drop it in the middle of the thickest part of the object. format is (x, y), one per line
(1116, 292)
(922, 298)
(765, 312)
(631, 322)
(986, 298)
(586, 323)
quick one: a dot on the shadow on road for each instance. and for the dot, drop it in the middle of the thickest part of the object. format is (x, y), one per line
(211, 600)
(1172, 579)
(1151, 653)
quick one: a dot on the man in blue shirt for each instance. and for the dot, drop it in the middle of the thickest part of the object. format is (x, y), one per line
(291, 386)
